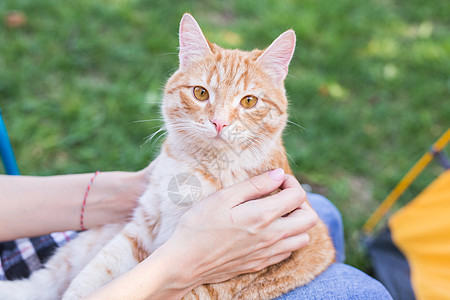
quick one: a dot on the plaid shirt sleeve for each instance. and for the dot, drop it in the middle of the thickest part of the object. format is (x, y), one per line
(19, 258)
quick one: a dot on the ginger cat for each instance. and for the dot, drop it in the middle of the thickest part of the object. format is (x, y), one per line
(225, 111)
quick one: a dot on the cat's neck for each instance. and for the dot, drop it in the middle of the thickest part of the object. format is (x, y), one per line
(223, 165)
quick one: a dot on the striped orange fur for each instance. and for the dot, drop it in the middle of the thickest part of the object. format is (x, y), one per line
(252, 134)
(215, 141)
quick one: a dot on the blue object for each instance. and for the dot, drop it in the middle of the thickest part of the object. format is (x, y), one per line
(331, 216)
(339, 281)
(390, 265)
(6, 152)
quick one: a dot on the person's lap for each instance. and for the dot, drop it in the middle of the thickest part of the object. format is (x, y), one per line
(339, 281)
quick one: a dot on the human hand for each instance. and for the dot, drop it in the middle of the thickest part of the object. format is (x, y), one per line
(114, 196)
(235, 231)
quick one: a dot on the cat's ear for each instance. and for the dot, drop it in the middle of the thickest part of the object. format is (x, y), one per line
(275, 59)
(193, 43)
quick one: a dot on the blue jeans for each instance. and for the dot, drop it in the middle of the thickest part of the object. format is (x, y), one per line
(339, 281)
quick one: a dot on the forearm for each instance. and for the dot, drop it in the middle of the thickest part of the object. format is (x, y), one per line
(157, 277)
(34, 206)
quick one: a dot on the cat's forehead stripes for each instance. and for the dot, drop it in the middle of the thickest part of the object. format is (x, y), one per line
(229, 69)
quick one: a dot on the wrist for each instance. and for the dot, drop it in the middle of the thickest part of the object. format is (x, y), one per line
(112, 197)
(174, 279)
(182, 271)
(153, 278)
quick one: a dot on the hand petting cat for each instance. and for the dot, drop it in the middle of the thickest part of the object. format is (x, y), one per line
(231, 232)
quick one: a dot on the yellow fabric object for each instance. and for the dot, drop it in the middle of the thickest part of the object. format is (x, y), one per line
(421, 230)
(406, 181)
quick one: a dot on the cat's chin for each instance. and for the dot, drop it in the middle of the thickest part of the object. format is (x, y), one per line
(217, 142)
(213, 137)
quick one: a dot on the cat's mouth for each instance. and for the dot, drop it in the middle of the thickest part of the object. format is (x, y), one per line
(217, 136)
(220, 139)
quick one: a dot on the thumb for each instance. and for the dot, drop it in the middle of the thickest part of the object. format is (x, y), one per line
(254, 187)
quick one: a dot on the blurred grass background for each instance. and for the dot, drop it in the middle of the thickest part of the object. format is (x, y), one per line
(369, 83)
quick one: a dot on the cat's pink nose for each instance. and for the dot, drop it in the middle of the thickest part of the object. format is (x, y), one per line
(219, 124)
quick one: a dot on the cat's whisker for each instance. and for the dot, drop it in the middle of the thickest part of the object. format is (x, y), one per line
(298, 125)
(253, 146)
(161, 136)
(153, 127)
(140, 121)
(181, 129)
(153, 101)
(256, 149)
(153, 135)
(168, 53)
(149, 120)
(170, 71)
(293, 161)
(291, 76)
(267, 139)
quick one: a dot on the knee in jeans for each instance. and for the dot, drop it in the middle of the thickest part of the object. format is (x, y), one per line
(325, 208)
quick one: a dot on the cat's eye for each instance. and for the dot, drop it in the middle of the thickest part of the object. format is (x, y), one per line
(200, 93)
(249, 101)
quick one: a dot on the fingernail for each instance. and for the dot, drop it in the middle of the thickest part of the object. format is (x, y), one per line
(277, 174)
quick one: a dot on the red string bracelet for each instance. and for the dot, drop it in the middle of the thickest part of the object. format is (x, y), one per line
(85, 198)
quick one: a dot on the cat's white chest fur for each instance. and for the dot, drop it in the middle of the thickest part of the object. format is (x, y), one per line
(174, 186)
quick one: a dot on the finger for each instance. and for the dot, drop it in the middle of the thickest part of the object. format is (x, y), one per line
(254, 187)
(292, 243)
(297, 222)
(250, 265)
(290, 182)
(262, 212)
(271, 260)
(277, 258)
(289, 244)
(293, 196)
(306, 205)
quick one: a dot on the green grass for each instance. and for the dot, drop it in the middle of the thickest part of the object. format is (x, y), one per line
(369, 83)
